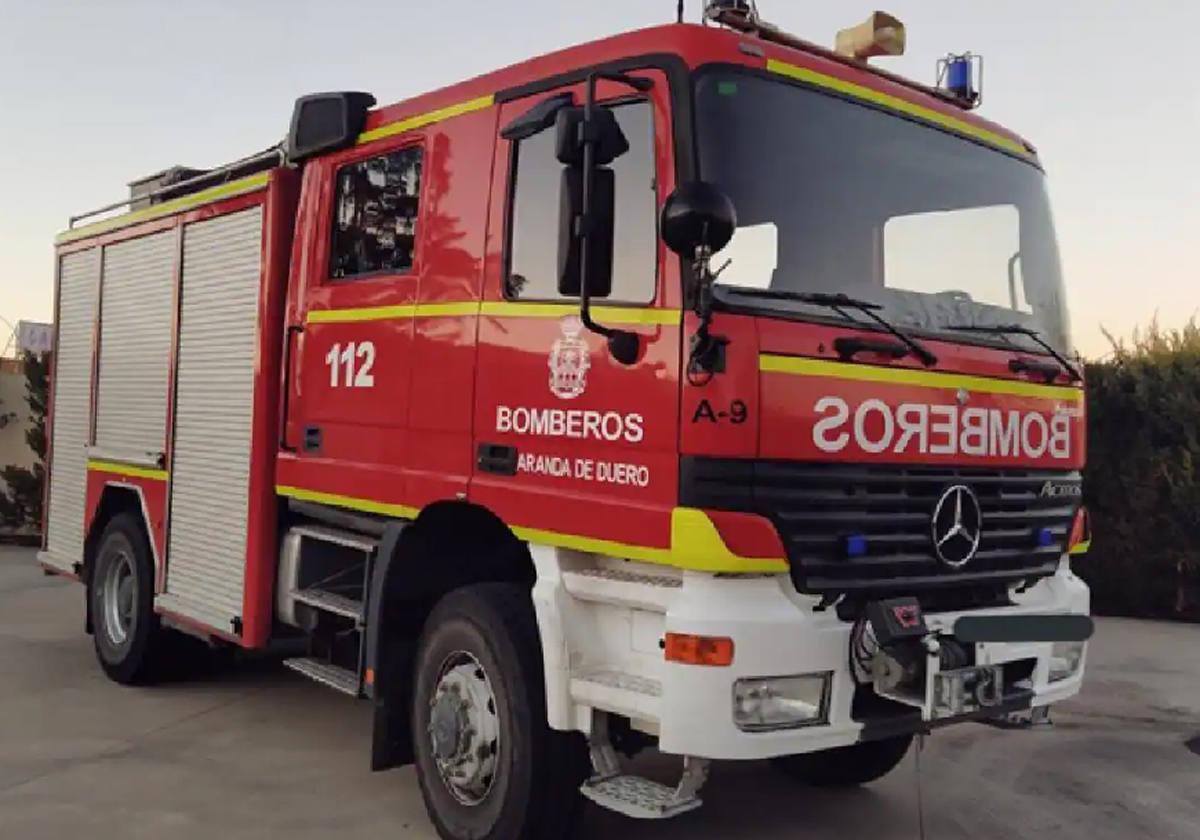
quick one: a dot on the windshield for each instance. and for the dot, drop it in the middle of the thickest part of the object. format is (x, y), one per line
(834, 196)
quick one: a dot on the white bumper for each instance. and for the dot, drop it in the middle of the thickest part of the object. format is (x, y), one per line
(777, 632)
(602, 633)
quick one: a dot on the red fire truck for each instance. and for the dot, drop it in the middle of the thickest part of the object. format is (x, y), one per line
(698, 388)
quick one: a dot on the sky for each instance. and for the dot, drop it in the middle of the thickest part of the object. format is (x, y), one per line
(95, 94)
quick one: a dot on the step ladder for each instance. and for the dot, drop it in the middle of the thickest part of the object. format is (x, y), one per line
(634, 796)
(338, 602)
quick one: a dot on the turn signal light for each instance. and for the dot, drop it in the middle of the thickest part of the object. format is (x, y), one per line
(713, 651)
(1081, 533)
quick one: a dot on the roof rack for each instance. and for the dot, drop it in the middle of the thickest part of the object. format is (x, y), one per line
(264, 160)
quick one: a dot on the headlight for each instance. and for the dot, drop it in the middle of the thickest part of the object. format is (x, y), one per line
(1065, 659)
(781, 702)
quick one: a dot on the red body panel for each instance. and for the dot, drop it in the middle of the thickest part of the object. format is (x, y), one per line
(153, 493)
(262, 540)
(961, 413)
(407, 439)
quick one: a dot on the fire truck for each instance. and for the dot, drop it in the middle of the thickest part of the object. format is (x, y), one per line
(699, 389)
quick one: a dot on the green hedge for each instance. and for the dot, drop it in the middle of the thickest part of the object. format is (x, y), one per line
(1142, 484)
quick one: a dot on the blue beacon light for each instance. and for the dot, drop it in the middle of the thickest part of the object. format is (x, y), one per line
(962, 77)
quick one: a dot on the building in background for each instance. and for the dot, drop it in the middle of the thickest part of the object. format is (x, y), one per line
(14, 416)
(31, 337)
(34, 337)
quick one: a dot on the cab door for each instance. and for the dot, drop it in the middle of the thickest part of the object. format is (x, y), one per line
(351, 326)
(572, 445)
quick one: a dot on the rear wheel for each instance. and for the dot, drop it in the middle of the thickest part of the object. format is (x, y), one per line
(856, 764)
(489, 766)
(126, 632)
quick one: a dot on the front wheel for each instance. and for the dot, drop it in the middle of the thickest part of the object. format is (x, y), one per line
(489, 766)
(856, 764)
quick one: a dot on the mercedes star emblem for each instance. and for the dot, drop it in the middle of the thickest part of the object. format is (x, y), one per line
(957, 524)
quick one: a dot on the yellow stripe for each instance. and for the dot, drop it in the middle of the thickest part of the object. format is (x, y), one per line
(603, 314)
(391, 313)
(1082, 548)
(167, 208)
(895, 103)
(695, 542)
(392, 129)
(350, 502)
(127, 470)
(696, 545)
(906, 376)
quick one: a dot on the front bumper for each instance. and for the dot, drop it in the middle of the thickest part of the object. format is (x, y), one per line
(778, 632)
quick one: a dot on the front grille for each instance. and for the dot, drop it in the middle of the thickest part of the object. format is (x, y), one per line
(817, 506)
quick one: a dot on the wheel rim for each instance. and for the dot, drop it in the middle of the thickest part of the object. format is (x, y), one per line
(464, 728)
(118, 604)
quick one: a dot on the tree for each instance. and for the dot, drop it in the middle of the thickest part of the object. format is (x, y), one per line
(21, 489)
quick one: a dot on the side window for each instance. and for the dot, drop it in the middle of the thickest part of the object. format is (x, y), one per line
(533, 250)
(375, 215)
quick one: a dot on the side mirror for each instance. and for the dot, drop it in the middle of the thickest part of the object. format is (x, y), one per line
(698, 215)
(609, 140)
(322, 122)
(600, 236)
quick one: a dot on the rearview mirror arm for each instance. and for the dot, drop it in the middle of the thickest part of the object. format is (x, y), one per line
(622, 344)
(707, 352)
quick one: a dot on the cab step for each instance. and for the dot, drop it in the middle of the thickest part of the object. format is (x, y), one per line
(634, 796)
(633, 696)
(330, 602)
(333, 676)
(641, 799)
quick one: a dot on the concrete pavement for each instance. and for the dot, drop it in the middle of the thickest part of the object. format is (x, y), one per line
(252, 750)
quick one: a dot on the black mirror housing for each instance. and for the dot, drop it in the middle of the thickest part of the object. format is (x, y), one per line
(324, 122)
(600, 236)
(698, 215)
(611, 142)
(538, 118)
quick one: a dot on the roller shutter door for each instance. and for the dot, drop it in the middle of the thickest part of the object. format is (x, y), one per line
(135, 346)
(78, 275)
(210, 469)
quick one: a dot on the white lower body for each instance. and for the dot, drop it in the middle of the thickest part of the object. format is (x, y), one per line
(602, 623)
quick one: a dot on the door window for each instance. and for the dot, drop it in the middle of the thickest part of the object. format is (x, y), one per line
(534, 243)
(375, 215)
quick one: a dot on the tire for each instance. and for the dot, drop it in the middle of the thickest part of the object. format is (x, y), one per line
(126, 633)
(479, 670)
(849, 766)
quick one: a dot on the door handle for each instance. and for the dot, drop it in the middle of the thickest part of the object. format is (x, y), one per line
(312, 438)
(497, 459)
(285, 402)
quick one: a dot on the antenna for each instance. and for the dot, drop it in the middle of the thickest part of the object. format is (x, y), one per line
(679, 13)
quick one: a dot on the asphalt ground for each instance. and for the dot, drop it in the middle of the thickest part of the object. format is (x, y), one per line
(249, 749)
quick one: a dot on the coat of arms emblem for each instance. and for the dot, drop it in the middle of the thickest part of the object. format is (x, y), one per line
(569, 361)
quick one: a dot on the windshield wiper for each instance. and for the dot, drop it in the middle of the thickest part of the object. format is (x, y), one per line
(1032, 334)
(838, 302)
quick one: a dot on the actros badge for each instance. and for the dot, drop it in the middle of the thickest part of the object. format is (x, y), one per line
(957, 525)
(569, 361)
